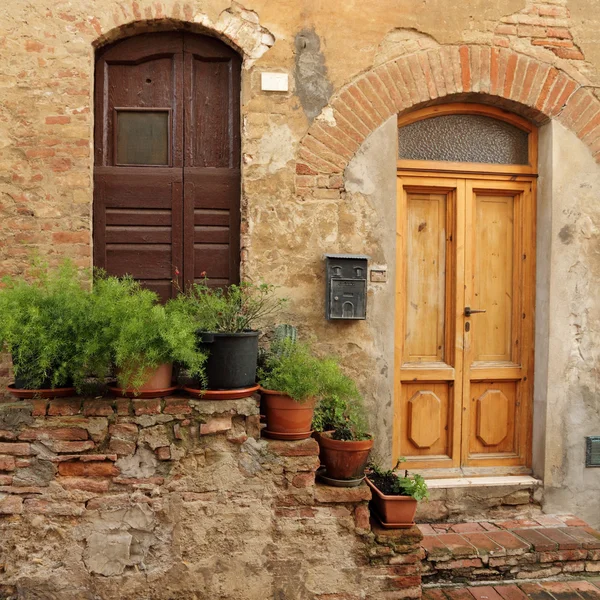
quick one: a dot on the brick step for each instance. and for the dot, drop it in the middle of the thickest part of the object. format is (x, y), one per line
(547, 590)
(536, 548)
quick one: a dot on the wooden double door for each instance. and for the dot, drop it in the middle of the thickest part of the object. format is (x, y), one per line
(167, 160)
(464, 322)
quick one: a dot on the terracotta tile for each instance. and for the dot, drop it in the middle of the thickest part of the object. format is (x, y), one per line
(442, 527)
(521, 524)
(559, 535)
(535, 592)
(458, 594)
(539, 541)
(588, 540)
(561, 590)
(457, 544)
(485, 592)
(510, 592)
(510, 542)
(489, 526)
(572, 521)
(426, 529)
(484, 544)
(467, 528)
(587, 590)
(434, 548)
(549, 521)
(433, 594)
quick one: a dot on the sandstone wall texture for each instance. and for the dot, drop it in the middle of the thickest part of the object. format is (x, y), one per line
(318, 160)
(151, 499)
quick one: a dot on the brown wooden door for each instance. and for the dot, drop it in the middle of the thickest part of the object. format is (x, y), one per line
(167, 156)
(464, 378)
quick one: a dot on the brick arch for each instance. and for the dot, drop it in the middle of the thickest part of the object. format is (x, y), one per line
(517, 82)
(237, 27)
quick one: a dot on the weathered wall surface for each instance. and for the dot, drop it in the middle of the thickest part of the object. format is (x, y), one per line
(573, 355)
(181, 499)
(292, 212)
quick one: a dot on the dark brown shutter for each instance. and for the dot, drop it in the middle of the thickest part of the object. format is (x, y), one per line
(211, 161)
(144, 224)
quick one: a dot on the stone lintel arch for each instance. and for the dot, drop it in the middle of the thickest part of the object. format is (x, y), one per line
(516, 82)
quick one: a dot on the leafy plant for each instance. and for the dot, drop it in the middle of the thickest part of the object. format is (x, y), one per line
(233, 309)
(291, 368)
(390, 482)
(344, 415)
(43, 324)
(131, 330)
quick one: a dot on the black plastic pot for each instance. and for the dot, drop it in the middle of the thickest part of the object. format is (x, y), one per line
(232, 359)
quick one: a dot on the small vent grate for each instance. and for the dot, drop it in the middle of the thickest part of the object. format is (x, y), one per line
(592, 451)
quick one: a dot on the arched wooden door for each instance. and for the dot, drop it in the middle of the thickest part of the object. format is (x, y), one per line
(167, 160)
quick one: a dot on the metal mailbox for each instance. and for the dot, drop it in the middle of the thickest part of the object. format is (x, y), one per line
(346, 296)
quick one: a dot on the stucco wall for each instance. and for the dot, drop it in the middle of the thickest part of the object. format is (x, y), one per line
(573, 321)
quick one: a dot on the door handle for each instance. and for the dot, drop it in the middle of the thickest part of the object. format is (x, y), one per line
(471, 311)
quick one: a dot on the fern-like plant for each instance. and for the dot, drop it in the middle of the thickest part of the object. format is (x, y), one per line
(44, 323)
(133, 331)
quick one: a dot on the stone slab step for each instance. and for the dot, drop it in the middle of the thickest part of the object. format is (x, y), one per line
(534, 548)
(548, 590)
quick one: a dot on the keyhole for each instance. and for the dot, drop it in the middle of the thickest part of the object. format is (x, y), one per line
(148, 80)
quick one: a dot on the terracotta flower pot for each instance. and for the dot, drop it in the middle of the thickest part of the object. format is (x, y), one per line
(286, 418)
(157, 383)
(393, 511)
(344, 460)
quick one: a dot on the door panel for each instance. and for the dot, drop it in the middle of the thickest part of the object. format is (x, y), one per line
(463, 383)
(427, 388)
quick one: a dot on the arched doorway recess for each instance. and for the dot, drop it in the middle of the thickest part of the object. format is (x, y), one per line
(465, 286)
(167, 160)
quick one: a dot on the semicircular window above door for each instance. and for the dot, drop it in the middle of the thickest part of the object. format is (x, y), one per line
(167, 160)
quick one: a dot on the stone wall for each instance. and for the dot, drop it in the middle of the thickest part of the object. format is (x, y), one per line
(177, 498)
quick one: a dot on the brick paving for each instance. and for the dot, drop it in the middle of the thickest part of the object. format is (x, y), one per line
(534, 548)
(546, 590)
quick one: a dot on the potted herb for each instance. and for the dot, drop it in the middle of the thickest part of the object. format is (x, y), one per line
(140, 337)
(43, 327)
(395, 496)
(344, 440)
(292, 380)
(226, 321)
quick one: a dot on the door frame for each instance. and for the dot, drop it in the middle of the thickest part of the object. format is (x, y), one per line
(423, 170)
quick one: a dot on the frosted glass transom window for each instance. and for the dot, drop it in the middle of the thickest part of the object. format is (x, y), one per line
(464, 138)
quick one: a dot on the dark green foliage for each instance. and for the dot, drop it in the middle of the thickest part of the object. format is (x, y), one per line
(43, 324)
(233, 309)
(393, 483)
(130, 329)
(344, 415)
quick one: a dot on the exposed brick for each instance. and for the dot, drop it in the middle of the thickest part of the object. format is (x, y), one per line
(85, 484)
(587, 540)
(7, 463)
(457, 544)
(362, 517)
(64, 407)
(467, 528)
(435, 548)
(123, 405)
(90, 469)
(485, 593)
(11, 505)
(58, 120)
(163, 453)
(562, 555)
(510, 592)
(308, 447)
(463, 563)
(302, 169)
(69, 447)
(6, 480)
(560, 536)
(535, 537)
(569, 53)
(98, 408)
(335, 495)
(216, 425)
(54, 433)
(139, 481)
(40, 406)
(177, 406)
(45, 507)
(146, 407)
(7, 435)
(303, 480)
(511, 543)
(19, 449)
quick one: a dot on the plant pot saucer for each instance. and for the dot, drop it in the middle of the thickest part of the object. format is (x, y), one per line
(142, 394)
(322, 477)
(46, 393)
(385, 525)
(221, 394)
(277, 435)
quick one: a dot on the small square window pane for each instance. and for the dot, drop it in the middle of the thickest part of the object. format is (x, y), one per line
(142, 137)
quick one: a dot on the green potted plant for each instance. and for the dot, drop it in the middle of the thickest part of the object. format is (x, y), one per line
(44, 320)
(344, 439)
(140, 337)
(395, 495)
(292, 380)
(227, 321)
